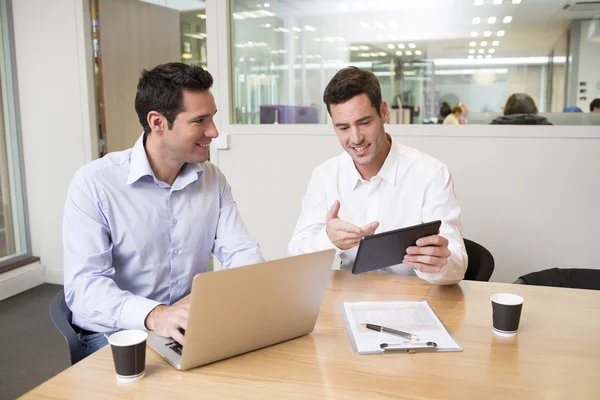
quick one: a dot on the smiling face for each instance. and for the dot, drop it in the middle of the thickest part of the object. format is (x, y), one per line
(193, 129)
(360, 130)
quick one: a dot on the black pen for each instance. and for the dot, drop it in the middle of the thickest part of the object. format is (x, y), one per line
(396, 332)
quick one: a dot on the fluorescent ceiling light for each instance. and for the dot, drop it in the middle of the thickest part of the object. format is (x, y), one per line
(412, 45)
(491, 20)
(409, 53)
(469, 71)
(500, 33)
(501, 61)
(267, 5)
(495, 43)
(491, 51)
(472, 44)
(507, 19)
(484, 43)
(398, 53)
(418, 52)
(309, 28)
(481, 51)
(401, 46)
(391, 46)
(476, 20)
(474, 34)
(479, 57)
(471, 51)
(487, 34)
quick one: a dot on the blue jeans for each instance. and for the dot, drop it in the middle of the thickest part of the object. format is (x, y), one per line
(92, 342)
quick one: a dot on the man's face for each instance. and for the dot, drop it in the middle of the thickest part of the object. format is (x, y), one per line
(193, 128)
(596, 110)
(359, 128)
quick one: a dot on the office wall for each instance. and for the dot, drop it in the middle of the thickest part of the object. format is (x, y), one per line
(528, 194)
(56, 107)
(588, 68)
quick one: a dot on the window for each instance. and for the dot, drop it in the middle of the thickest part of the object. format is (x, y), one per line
(425, 53)
(14, 244)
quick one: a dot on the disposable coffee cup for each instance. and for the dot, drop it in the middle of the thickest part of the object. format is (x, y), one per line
(129, 354)
(506, 313)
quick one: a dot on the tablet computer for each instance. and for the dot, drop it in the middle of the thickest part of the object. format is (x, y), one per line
(389, 248)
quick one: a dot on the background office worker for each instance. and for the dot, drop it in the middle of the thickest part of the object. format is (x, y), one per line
(378, 185)
(139, 224)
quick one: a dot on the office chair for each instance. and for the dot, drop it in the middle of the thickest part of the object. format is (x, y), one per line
(61, 317)
(481, 262)
(574, 278)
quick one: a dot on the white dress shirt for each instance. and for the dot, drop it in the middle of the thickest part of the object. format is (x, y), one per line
(410, 188)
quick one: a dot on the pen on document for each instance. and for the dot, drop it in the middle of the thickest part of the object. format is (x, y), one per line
(391, 331)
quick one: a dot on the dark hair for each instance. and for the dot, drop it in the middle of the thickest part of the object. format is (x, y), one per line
(520, 103)
(445, 110)
(594, 104)
(161, 90)
(350, 82)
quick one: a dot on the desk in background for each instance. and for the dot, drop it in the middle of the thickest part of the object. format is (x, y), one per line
(556, 354)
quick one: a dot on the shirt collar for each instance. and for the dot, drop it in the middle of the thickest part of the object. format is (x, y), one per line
(388, 169)
(140, 167)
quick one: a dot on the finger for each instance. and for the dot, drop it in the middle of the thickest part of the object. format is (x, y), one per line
(435, 240)
(347, 227)
(182, 323)
(333, 212)
(176, 335)
(427, 260)
(429, 251)
(428, 269)
(370, 228)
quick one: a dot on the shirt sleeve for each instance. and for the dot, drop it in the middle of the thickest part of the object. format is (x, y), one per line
(234, 247)
(90, 291)
(310, 235)
(440, 204)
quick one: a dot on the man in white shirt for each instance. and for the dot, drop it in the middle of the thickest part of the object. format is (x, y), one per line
(378, 185)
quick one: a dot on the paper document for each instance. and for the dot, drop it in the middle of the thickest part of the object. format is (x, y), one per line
(415, 317)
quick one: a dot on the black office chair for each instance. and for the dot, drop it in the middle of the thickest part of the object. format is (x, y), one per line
(481, 262)
(61, 317)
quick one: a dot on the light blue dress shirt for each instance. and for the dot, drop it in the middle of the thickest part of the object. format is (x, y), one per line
(132, 242)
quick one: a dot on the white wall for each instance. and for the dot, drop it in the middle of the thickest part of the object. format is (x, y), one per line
(528, 194)
(588, 68)
(53, 82)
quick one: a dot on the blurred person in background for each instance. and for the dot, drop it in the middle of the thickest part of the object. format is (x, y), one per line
(595, 106)
(454, 117)
(520, 109)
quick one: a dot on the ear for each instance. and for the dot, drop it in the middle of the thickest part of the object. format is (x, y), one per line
(157, 122)
(385, 112)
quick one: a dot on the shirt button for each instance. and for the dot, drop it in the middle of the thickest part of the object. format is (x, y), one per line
(174, 221)
(175, 252)
(174, 281)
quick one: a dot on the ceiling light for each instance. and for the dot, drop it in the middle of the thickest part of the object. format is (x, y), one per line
(471, 57)
(500, 33)
(491, 51)
(418, 52)
(481, 51)
(516, 1)
(472, 44)
(487, 34)
(471, 51)
(507, 19)
(412, 45)
(483, 44)
(488, 56)
(382, 54)
(201, 16)
(309, 28)
(479, 57)
(401, 46)
(187, 56)
(296, 29)
(478, 2)
(491, 20)
(409, 53)
(267, 25)
(476, 20)
(267, 5)
(497, 2)
(365, 48)
(474, 34)
(391, 46)
(398, 53)
(495, 43)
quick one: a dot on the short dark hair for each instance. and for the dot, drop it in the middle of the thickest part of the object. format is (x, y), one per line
(350, 82)
(161, 90)
(520, 103)
(594, 104)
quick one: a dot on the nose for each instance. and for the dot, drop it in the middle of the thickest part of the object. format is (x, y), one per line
(355, 135)
(211, 131)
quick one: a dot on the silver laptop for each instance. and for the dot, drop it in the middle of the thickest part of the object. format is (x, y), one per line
(238, 310)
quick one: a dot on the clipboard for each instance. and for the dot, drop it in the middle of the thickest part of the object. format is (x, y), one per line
(416, 317)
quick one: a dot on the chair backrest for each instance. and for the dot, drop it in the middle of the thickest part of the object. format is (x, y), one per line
(481, 262)
(61, 317)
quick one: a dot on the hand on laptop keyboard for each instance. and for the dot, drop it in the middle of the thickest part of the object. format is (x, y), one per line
(169, 321)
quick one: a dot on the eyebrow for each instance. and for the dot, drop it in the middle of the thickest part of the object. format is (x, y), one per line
(202, 116)
(358, 121)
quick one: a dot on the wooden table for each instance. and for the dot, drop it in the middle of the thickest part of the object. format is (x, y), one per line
(556, 354)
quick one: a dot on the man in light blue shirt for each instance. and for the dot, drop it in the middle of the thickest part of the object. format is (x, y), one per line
(139, 224)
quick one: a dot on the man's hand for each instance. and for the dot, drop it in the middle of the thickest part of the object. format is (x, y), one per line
(343, 234)
(166, 320)
(429, 255)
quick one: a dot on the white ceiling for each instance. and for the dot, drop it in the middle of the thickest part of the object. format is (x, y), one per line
(181, 5)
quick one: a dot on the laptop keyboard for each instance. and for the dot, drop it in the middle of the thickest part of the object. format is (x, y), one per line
(175, 346)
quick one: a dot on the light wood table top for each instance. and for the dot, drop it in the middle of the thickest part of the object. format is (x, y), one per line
(556, 354)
